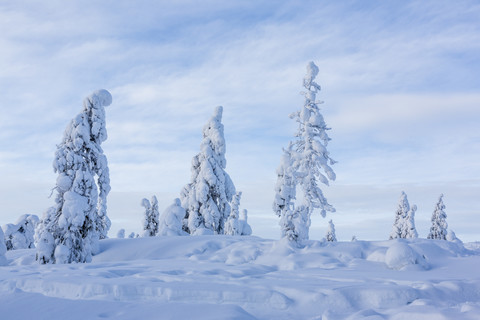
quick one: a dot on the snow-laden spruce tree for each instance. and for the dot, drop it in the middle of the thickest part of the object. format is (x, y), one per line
(400, 217)
(232, 226)
(3, 249)
(410, 232)
(285, 191)
(151, 217)
(438, 230)
(171, 220)
(69, 231)
(20, 235)
(330, 236)
(245, 228)
(207, 197)
(309, 165)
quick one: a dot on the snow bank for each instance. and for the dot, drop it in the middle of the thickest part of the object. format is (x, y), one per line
(245, 277)
(401, 255)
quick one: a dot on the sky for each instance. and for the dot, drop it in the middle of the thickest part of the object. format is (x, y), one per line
(400, 84)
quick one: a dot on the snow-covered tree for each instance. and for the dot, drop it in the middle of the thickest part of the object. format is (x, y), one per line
(69, 231)
(151, 216)
(438, 230)
(285, 191)
(306, 163)
(171, 220)
(207, 197)
(410, 232)
(400, 217)
(3, 249)
(331, 237)
(244, 227)
(20, 235)
(121, 234)
(132, 235)
(232, 226)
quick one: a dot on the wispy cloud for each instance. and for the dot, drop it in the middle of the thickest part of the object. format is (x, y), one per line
(400, 84)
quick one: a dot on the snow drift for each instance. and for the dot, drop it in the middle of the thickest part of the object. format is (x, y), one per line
(233, 277)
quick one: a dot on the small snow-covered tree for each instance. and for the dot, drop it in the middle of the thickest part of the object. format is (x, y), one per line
(151, 216)
(410, 232)
(232, 226)
(400, 217)
(244, 227)
(132, 235)
(308, 167)
(207, 197)
(69, 231)
(331, 237)
(3, 249)
(438, 230)
(171, 220)
(285, 191)
(121, 234)
(20, 235)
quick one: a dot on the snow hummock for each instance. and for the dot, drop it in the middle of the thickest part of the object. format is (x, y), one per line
(246, 277)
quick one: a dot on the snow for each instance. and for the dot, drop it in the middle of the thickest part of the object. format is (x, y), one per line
(246, 277)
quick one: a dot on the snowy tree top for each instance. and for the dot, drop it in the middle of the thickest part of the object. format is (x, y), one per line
(218, 113)
(312, 72)
(145, 203)
(98, 98)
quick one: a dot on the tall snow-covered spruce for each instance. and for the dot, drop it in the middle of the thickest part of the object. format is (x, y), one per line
(70, 230)
(306, 163)
(207, 197)
(438, 230)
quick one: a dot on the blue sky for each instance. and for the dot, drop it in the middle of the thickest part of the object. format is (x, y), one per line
(399, 80)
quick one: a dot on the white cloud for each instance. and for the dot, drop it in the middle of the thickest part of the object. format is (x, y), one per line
(399, 81)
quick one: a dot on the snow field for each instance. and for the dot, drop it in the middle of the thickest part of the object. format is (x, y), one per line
(225, 277)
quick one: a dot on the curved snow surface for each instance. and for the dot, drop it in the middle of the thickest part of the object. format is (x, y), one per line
(225, 277)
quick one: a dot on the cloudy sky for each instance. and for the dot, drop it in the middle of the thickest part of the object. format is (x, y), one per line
(400, 81)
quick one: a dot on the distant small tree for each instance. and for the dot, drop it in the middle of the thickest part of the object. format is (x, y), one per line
(331, 237)
(121, 234)
(232, 226)
(245, 228)
(207, 197)
(438, 230)
(70, 230)
(132, 235)
(410, 232)
(400, 217)
(171, 220)
(20, 235)
(151, 217)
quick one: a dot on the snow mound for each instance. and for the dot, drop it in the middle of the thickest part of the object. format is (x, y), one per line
(245, 277)
(401, 255)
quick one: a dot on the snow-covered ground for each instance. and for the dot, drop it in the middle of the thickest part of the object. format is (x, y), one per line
(225, 277)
